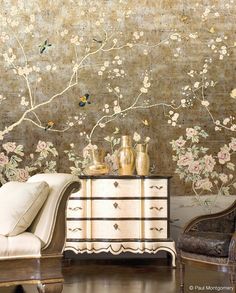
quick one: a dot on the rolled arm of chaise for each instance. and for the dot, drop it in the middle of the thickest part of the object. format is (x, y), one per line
(50, 224)
(58, 237)
(223, 221)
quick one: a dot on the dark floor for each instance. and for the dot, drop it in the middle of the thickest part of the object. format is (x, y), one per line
(134, 276)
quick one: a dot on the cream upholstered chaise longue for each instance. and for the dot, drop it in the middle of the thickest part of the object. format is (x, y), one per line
(34, 256)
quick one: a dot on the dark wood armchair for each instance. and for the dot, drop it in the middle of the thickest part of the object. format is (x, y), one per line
(209, 242)
(20, 267)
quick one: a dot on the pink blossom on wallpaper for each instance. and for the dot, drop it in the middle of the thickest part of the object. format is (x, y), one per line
(209, 163)
(3, 159)
(232, 144)
(190, 132)
(42, 145)
(22, 175)
(224, 155)
(185, 160)
(203, 184)
(179, 142)
(195, 167)
(9, 147)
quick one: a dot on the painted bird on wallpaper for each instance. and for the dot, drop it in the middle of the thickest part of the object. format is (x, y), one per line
(44, 46)
(84, 100)
(97, 41)
(49, 125)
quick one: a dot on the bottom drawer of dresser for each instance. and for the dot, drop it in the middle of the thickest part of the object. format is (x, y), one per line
(112, 229)
(155, 229)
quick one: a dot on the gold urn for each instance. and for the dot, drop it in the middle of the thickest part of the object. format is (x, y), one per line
(97, 165)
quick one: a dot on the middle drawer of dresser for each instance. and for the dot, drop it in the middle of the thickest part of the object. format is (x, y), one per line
(104, 208)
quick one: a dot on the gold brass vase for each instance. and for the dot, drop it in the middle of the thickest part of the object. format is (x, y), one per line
(142, 161)
(97, 165)
(126, 157)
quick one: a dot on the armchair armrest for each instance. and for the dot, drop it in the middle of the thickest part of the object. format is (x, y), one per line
(223, 221)
(232, 248)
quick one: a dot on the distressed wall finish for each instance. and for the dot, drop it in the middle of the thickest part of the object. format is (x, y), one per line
(163, 70)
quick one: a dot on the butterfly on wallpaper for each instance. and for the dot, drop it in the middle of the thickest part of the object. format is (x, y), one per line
(44, 46)
(84, 100)
(49, 125)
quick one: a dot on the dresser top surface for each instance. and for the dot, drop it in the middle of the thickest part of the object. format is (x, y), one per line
(124, 177)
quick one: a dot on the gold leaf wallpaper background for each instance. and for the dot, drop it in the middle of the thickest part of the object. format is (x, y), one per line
(74, 74)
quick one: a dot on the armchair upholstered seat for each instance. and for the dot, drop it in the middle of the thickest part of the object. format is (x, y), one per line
(34, 256)
(209, 242)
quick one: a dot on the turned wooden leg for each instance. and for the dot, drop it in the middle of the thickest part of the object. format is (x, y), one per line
(181, 272)
(50, 287)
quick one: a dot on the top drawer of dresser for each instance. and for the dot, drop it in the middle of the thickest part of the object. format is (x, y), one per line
(115, 188)
(156, 187)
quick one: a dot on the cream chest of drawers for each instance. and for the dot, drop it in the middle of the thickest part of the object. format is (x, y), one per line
(120, 214)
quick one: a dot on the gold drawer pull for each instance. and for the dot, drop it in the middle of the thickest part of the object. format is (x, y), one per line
(157, 187)
(75, 229)
(116, 184)
(75, 209)
(156, 208)
(116, 226)
(116, 205)
(156, 229)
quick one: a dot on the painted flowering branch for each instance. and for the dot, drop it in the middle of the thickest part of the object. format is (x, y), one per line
(70, 85)
(73, 81)
(207, 173)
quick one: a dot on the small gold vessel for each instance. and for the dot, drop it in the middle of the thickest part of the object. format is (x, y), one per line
(97, 165)
(126, 156)
(142, 161)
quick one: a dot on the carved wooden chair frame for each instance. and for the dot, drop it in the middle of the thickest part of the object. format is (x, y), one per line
(227, 267)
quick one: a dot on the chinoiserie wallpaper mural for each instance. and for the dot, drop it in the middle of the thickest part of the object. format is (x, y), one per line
(78, 74)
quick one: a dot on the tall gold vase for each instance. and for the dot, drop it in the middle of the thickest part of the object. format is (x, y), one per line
(142, 161)
(126, 157)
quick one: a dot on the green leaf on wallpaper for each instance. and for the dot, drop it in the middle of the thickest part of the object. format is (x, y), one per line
(174, 158)
(107, 138)
(53, 151)
(50, 167)
(31, 169)
(14, 161)
(214, 174)
(203, 134)
(203, 150)
(195, 138)
(225, 190)
(116, 141)
(75, 171)
(230, 166)
(19, 150)
(117, 130)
